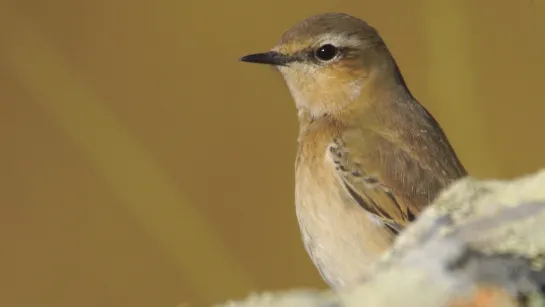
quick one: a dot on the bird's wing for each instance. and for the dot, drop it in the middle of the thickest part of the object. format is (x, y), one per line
(380, 181)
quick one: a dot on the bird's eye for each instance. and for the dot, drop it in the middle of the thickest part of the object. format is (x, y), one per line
(326, 52)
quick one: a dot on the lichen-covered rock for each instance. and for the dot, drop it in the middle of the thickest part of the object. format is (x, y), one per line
(481, 243)
(295, 298)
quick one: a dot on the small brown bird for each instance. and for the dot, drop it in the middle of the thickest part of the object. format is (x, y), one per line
(370, 156)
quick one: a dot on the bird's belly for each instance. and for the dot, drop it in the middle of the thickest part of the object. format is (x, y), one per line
(341, 238)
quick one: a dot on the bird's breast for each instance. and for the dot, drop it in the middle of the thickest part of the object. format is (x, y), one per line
(341, 238)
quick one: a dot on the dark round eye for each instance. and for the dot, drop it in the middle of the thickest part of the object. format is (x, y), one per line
(326, 52)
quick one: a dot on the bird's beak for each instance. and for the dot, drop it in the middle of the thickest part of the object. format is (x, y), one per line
(270, 58)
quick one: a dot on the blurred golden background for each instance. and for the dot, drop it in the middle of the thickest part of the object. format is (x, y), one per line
(143, 165)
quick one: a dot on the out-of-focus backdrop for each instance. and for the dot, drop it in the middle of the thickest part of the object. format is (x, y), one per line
(143, 165)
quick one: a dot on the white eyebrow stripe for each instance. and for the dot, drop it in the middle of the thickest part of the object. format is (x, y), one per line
(338, 40)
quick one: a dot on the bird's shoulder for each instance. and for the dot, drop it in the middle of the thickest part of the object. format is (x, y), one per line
(315, 135)
(383, 173)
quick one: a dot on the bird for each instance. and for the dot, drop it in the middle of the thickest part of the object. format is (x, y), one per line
(370, 157)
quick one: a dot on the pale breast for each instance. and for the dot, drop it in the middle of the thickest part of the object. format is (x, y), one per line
(341, 238)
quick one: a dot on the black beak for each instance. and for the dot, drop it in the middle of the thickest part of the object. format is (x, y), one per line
(270, 58)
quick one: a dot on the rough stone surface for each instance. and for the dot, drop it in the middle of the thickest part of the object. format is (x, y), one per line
(481, 243)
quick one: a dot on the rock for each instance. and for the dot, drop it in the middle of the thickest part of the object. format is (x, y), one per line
(481, 243)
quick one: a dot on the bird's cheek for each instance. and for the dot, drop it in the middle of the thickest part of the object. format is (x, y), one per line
(353, 89)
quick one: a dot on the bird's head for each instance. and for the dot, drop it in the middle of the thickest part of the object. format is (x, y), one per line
(327, 61)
